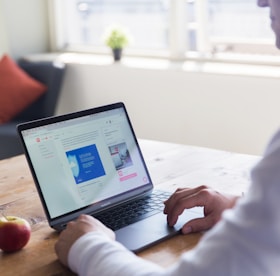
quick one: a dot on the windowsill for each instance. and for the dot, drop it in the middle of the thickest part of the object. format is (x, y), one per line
(192, 65)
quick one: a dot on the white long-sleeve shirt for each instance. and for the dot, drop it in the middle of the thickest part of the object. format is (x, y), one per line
(245, 242)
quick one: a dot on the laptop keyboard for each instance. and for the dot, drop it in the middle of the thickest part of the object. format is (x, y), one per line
(133, 211)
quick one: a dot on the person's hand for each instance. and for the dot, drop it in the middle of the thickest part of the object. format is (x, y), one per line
(76, 229)
(213, 202)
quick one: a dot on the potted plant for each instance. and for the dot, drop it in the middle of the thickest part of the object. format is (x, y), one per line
(116, 38)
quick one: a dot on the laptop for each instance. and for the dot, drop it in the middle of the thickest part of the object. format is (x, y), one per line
(89, 162)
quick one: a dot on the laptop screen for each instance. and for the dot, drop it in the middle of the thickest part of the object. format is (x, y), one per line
(84, 159)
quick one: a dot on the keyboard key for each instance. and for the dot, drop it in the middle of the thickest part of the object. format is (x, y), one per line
(134, 211)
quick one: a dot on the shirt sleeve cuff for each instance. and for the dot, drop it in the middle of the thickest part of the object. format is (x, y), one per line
(96, 254)
(82, 246)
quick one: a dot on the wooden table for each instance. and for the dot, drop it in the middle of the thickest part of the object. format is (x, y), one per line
(170, 166)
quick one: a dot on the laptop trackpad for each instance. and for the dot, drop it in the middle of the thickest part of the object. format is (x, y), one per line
(147, 232)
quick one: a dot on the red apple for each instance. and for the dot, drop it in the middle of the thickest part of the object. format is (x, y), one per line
(14, 233)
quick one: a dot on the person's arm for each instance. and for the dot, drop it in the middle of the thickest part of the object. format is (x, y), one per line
(244, 242)
(93, 237)
(76, 229)
(87, 247)
(214, 204)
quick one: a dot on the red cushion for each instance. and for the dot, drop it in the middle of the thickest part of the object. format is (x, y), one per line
(17, 89)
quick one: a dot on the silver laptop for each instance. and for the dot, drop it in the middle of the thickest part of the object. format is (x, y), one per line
(90, 162)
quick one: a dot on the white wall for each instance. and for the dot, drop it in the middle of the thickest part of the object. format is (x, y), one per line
(4, 48)
(24, 27)
(228, 112)
(221, 111)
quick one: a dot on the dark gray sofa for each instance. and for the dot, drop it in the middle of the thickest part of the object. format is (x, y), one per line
(49, 73)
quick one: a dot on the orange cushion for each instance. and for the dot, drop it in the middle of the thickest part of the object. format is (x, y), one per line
(17, 89)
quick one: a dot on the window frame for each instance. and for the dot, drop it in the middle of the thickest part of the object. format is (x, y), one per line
(178, 45)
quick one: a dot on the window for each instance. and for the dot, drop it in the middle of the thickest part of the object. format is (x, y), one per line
(146, 20)
(239, 26)
(174, 28)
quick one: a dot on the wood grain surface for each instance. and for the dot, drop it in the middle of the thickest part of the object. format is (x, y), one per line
(170, 165)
